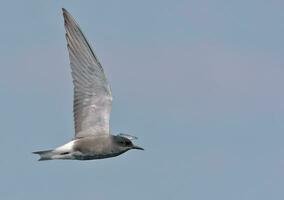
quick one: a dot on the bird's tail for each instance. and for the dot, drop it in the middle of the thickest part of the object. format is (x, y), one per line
(44, 155)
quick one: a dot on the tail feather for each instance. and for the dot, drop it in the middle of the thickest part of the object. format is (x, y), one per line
(44, 155)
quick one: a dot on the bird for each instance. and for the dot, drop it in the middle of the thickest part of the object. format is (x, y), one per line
(92, 102)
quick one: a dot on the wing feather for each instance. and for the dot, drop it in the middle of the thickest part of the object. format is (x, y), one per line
(92, 94)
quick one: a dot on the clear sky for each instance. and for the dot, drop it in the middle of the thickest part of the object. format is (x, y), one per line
(199, 82)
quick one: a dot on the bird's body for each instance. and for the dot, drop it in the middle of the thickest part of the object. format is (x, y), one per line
(87, 148)
(92, 105)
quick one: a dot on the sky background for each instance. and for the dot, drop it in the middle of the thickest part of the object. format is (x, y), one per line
(199, 82)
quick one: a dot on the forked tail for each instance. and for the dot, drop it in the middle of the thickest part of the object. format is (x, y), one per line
(44, 155)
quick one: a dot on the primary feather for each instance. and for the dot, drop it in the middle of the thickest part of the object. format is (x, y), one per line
(92, 94)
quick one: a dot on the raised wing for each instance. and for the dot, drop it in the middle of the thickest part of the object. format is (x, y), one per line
(92, 94)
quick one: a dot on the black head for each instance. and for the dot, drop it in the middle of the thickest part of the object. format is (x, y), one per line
(125, 143)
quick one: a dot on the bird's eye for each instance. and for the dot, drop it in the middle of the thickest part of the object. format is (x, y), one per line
(127, 143)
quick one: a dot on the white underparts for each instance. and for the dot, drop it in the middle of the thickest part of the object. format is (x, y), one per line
(66, 147)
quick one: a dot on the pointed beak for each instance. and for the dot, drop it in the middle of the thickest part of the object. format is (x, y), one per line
(137, 147)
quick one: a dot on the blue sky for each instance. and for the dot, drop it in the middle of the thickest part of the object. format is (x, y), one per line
(200, 84)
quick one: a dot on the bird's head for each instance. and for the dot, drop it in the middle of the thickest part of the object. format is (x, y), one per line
(124, 142)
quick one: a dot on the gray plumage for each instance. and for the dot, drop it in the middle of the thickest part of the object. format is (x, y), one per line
(92, 94)
(92, 105)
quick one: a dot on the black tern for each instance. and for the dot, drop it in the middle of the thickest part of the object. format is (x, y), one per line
(92, 105)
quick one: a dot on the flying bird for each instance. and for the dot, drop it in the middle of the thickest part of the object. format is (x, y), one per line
(91, 106)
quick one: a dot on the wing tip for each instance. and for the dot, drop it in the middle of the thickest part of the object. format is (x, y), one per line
(66, 14)
(64, 10)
